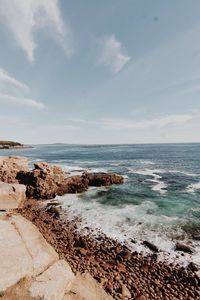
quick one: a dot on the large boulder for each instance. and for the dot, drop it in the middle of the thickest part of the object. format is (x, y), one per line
(43, 182)
(103, 179)
(10, 166)
(12, 195)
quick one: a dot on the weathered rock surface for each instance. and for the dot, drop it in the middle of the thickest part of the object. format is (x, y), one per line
(15, 261)
(24, 251)
(12, 195)
(10, 166)
(43, 182)
(103, 179)
(85, 287)
(54, 282)
(42, 254)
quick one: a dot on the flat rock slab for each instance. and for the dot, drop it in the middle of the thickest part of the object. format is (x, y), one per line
(43, 254)
(15, 262)
(86, 288)
(12, 196)
(23, 251)
(54, 282)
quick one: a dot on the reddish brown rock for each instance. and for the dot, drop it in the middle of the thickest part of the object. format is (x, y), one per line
(43, 182)
(103, 179)
(74, 184)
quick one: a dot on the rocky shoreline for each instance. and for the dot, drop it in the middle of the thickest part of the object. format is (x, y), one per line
(122, 273)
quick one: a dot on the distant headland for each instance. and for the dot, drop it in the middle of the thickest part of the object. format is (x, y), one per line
(11, 145)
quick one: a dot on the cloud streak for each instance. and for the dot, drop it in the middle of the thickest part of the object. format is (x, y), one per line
(22, 101)
(24, 17)
(22, 89)
(113, 54)
(158, 122)
(4, 76)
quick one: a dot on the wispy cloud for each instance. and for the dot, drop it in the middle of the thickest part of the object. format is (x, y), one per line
(24, 17)
(157, 122)
(113, 54)
(4, 76)
(22, 101)
(19, 95)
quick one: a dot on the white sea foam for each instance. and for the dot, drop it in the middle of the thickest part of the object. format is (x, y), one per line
(146, 162)
(131, 222)
(159, 186)
(78, 170)
(192, 188)
(183, 172)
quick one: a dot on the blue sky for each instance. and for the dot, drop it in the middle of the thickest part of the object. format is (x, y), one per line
(108, 71)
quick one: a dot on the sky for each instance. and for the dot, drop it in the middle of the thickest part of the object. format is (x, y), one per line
(100, 72)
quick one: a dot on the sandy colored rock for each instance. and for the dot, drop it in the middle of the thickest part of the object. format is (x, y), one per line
(54, 282)
(23, 251)
(10, 166)
(42, 254)
(15, 261)
(12, 195)
(86, 288)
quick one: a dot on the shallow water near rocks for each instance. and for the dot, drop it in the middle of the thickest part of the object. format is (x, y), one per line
(159, 201)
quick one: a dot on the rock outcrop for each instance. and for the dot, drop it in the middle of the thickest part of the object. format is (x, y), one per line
(45, 181)
(102, 179)
(10, 166)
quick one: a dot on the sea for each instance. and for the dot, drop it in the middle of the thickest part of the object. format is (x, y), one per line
(159, 201)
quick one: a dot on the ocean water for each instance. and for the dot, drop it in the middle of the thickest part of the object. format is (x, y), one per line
(159, 200)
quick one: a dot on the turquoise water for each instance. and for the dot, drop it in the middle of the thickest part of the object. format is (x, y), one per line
(160, 199)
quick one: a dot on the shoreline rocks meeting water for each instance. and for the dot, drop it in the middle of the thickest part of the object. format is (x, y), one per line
(122, 273)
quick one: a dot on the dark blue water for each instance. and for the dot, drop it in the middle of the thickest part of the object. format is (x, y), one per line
(160, 199)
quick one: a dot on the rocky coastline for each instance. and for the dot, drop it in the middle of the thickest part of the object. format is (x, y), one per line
(120, 272)
(12, 145)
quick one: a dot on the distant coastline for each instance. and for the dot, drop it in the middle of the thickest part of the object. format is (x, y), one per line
(11, 145)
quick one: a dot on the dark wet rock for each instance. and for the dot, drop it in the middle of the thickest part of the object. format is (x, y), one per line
(125, 254)
(184, 248)
(196, 237)
(54, 211)
(151, 246)
(103, 179)
(191, 280)
(193, 267)
(80, 243)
